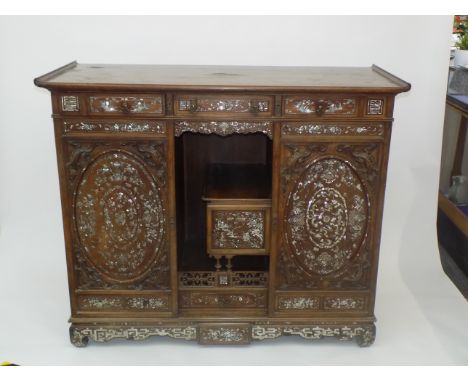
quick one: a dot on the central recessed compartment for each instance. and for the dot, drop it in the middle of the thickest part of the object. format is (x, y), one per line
(223, 192)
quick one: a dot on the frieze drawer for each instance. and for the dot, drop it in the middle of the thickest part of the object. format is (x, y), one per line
(187, 105)
(321, 105)
(126, 104)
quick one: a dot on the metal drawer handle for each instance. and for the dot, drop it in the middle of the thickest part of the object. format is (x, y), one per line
(126, 106)
(193, 106)
(320, 108)
(254, 107)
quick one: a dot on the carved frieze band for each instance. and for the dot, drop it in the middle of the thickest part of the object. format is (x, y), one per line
(237, 279)
(103, 303)
(115, 127)
(223, 128)
(79, 336)
(219, 334)
(300, 128)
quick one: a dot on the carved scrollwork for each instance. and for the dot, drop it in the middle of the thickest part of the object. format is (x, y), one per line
(224, 128)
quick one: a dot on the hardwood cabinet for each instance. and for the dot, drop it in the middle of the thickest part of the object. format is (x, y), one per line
(222, 204)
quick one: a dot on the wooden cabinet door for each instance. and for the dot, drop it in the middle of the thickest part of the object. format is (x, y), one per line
(329, 203)
(118, 224)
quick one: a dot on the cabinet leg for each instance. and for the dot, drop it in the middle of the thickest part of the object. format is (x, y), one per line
(77, 338)
(367, 337)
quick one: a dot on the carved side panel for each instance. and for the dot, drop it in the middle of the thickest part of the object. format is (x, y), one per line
(327, 199)
(119, 204)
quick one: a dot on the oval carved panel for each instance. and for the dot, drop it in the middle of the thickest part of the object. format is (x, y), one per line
(326, 216)
(119, 215)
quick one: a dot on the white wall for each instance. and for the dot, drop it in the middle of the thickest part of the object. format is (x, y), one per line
(420, 313)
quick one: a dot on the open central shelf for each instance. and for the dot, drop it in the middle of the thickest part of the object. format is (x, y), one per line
(230, 177)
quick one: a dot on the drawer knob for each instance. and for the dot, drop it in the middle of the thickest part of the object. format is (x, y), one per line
(254, 107)
(193, 106)
(321, 108)
(125, 106)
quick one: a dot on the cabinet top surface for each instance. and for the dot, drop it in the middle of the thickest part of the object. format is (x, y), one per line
(188, 77)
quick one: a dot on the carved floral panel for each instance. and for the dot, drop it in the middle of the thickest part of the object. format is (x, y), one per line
(126, 104)
(224, 105)
(238, 229)
(329, 105)
(327, 198)
(119, 214)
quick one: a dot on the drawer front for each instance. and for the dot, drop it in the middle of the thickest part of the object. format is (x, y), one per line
(303, 302)
(225, 299)
(126, 104)
(238, 230)
(223, 105)
(321, 105)
(118, 303)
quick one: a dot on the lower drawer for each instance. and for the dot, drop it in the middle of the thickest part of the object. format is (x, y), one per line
(306, 302)
(157, 302)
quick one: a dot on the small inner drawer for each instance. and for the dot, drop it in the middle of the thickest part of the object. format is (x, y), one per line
(238, 227)
(321, 105)
(126, 104)
(223, 104)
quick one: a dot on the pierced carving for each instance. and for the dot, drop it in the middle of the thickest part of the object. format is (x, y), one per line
(364, 334)
(238, 229)
(115, 127)
(235, 279)
(79, 336)
(301, 128)
(224, 128)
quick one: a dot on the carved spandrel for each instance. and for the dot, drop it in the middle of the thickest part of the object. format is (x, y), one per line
(224, 128)
(120, 215)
